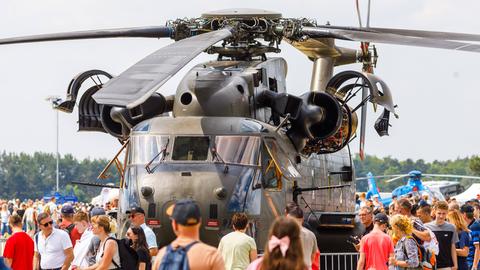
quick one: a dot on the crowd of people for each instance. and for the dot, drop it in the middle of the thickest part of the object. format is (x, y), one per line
(83, 238)
(412, 233)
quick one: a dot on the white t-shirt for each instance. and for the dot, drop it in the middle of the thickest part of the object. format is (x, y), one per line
(52, 248)
(5, 215)
(309, 244)
(81, 249)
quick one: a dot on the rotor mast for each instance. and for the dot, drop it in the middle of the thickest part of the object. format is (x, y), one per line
(322, 70)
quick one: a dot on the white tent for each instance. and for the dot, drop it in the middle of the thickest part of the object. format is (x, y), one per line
(470, 193)
(107, 194)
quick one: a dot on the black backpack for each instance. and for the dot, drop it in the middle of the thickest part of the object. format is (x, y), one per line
(128, 256)
(176, 259)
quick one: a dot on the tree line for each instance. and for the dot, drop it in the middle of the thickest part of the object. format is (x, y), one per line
(34, 175)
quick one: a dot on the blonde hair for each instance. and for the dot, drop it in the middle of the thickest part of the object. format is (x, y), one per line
(403, 223)
(80, 216)
(456, 219)
(102, 221)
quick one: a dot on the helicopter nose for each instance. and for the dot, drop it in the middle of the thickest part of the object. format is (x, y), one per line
(160, 190)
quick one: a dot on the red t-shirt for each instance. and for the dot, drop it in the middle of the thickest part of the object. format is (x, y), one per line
(377, 247)
(19, 248)
(74, 234)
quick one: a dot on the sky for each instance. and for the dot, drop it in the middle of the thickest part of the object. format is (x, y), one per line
(436, 90)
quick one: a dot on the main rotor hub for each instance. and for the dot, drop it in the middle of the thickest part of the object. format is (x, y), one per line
(249, 27)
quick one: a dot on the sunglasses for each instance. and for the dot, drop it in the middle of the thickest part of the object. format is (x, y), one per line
(46, 224)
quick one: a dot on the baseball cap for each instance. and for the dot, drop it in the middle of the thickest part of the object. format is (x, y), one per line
(381, 218)
(136, 209)
(473, 201)
(97, 211)
(467, 209)
(67, 209)
(185, 212)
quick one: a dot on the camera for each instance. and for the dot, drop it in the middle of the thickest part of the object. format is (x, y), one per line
(353, 239)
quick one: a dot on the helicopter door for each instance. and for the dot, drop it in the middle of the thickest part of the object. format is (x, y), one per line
(277, 171)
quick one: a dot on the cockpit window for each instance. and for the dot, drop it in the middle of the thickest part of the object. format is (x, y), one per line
(238, 149)
(191, 148)
(145, 148)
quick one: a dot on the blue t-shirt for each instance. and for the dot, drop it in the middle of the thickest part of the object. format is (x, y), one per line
(150, 236)
(464, 241)
(475, 239)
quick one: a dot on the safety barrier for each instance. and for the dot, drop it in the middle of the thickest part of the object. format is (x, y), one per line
(338, 261)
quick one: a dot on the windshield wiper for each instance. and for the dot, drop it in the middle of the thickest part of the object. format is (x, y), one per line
(217, 156)
(164, 152)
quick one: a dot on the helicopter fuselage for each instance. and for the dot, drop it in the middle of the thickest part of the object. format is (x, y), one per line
(227, 165)
(229, 154)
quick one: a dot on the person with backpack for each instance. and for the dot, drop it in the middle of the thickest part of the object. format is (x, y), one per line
(457, 220)
(187, 251)
(406, 250)
(139, 244)
(108, 257)
(419, 230)
(67, 225)
(446, 235)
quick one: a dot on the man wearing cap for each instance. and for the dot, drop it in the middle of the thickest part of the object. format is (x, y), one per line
(376, 247)
(67, 223)
(186, 222)
(474, 245)
(137, 218)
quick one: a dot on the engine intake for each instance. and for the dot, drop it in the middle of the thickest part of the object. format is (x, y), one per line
(314, 115)
(104, 118)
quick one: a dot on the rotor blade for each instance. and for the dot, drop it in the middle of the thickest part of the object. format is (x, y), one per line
(140, 81)
(145, 32)
(388, 38)
(452, 176)
(395, 178)
(411, 33)
(381, 176)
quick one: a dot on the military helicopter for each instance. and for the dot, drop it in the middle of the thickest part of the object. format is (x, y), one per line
(231, 137)
(414, 185)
